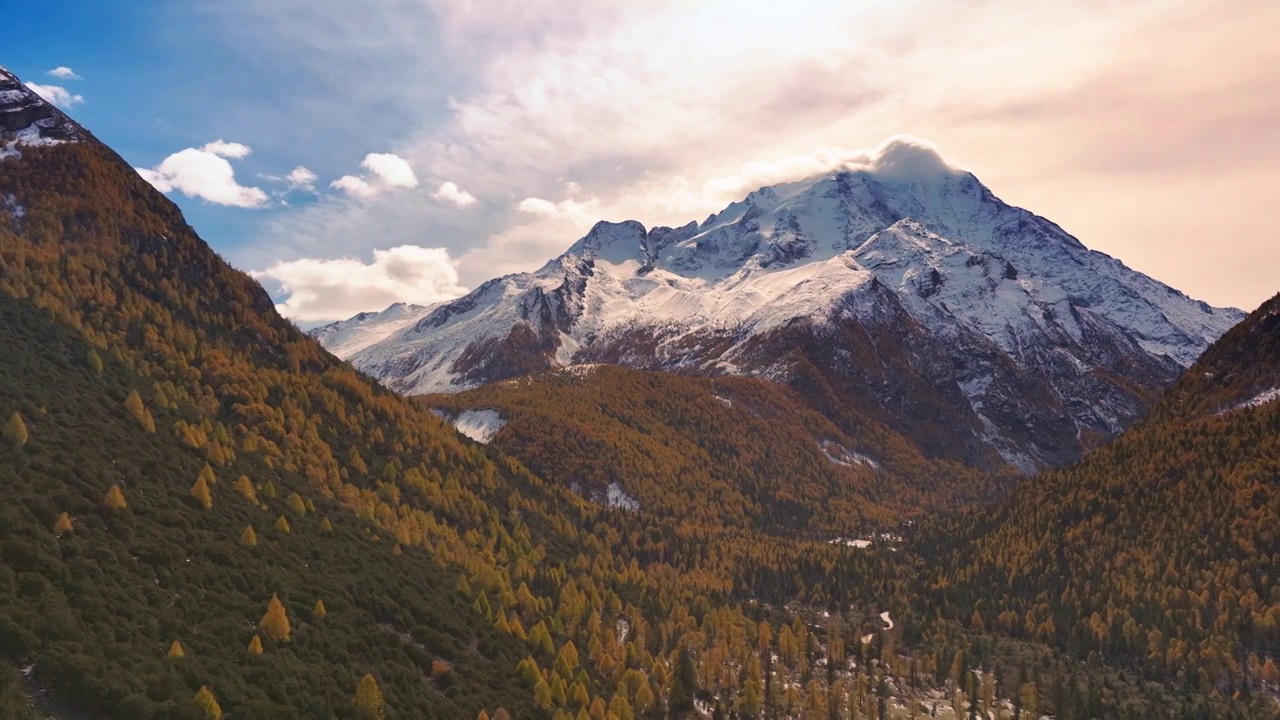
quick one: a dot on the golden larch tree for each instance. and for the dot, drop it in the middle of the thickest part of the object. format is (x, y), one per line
(248, 538)
(255, 646)
(275, 621)
(115, 498)
(282, 525)
(244, 486)
(15, 431)
(208, 703)
(200, 491)
(318, 612)
(368, 700)
(140, 413)
(176, 650)
(62, 525)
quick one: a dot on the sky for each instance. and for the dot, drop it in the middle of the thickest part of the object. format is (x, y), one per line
(351, 155)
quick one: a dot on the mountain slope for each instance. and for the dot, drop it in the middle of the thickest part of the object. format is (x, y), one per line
(729, 451)
(1158, 552)
(898, 288)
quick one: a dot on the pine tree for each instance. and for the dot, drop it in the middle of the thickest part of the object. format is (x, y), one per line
(208, 703)
(275, 621)
(248, 538)
(368, 701)
(15, 431)
(200, 491)
(62, 525)
(683, 684)
(255, 646)
(176, 651)
(318, 612)
(282, 525)
(114, 499)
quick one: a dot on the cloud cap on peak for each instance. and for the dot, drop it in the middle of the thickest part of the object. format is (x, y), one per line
(898, 158)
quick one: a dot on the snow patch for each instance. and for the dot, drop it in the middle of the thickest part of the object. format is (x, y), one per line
(479, 425)
(1262, 398)
(841, 455)
(618, 498)
(888, 622)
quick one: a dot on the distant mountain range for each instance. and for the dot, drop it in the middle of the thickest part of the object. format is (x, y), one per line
(902, 289)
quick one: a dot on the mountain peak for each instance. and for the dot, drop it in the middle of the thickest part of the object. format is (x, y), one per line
(30, 120)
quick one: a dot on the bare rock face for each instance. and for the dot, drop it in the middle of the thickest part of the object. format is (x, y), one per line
(904, 290)
(27, 119)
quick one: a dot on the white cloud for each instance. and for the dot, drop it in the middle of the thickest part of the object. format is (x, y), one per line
(450, 192)
(666, 109)
(205, 173)
(65, 73)
(393, 170)
(386, 171)
(226, 149)
(318, 290)
(59, 96)
(536, 206)
(354, 186)
(300, 178)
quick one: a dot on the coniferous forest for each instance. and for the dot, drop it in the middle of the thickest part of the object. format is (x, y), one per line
(206, 515)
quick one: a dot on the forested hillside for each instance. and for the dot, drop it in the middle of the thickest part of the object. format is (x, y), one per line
(1159, 553)
(731, 451)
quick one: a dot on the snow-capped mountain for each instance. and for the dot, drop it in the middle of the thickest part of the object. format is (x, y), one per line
(897, 286)
(27, 119)
(348, 337)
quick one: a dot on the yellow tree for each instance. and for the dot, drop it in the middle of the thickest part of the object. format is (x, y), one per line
(255, 646)
(62, 525)
(200, 491)
(175, 650)
(115, 498)
(368, 701)
(275, 621)
(244, 486)
(318, 612)
(208, 703)
(282, 525)
(134, 405)
(248, 538)
(15, 431)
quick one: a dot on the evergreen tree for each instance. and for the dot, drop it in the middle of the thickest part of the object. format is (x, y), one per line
(275, 621)
(683, 684)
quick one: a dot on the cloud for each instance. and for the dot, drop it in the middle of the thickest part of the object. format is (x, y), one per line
(900, 157)
(225, 149)
(354, 186)
(317, 290)
(450, 192)
(65, 73)
(667, 109)
(536, 206)
(205, 173)
(300, 178)
(59, 96)
(385, 171)
(393, 170)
